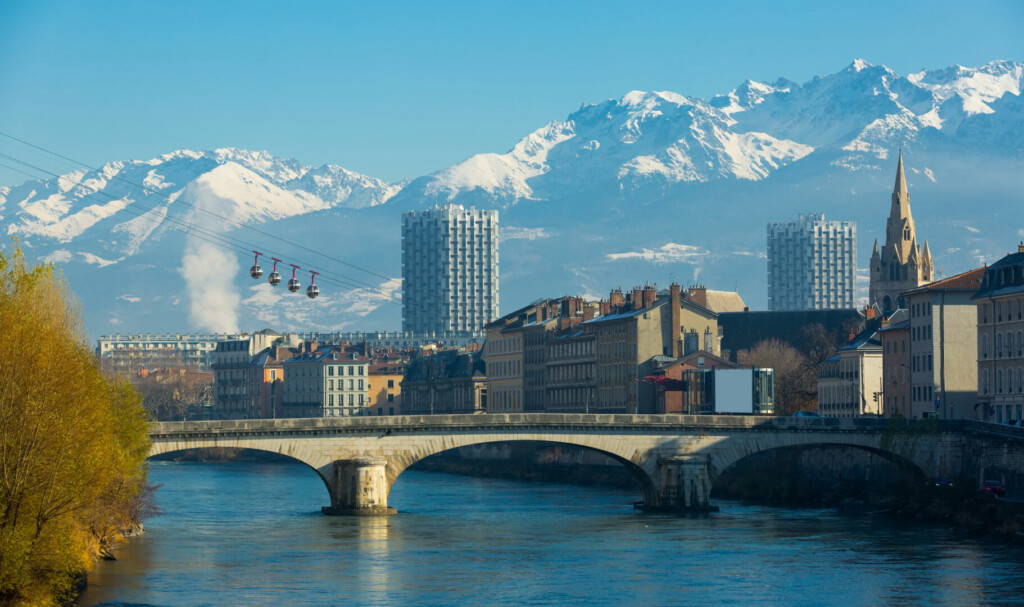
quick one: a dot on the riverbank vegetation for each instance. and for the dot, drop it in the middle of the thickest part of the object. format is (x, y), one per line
(72, 442)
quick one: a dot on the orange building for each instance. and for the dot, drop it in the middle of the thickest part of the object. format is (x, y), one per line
(385, 387)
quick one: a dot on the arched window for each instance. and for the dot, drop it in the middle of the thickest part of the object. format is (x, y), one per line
(999, 346)
(984, 345)
(999, 381)
(984, 381)
(1020, 343)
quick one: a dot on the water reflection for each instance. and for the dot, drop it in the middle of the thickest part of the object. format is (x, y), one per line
(250, 535)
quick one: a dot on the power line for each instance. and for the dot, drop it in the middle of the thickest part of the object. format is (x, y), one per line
(253, 228)
(192, 228)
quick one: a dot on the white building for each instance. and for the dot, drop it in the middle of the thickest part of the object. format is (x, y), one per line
(449, 269)
(811, 264)
(850, 382)
(326, 383)
(127, 353)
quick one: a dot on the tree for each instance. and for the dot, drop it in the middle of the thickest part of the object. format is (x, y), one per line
(796, 378)
(72, 442)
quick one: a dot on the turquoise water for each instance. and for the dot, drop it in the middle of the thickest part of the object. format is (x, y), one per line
(252, 534)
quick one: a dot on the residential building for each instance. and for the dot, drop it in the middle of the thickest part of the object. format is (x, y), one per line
(811, 264)
(517, 348)
(503, 355)
(449, 269)
(850, 381)
(943, 346)
(894, 335)
(634, 329)
(450, 381)
(238, 383)
(385, 388)
(1000, 339)
(901, 264)
(570, 371)
(325, 382)
(129, 353)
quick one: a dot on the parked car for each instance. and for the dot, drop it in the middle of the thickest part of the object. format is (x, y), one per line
(807, 414)
(943, 481)
(996, 488)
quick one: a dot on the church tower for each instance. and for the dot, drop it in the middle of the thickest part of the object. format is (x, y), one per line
(900, 265)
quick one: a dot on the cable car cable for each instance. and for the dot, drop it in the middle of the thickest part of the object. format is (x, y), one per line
(135, 207)
(294, 244)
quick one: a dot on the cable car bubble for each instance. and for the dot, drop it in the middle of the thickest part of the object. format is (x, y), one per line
(256, 271)
(312, 291)
(293, 283)
(275, 278)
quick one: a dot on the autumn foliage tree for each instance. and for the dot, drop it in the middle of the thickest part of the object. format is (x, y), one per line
(72, 442)
(796, 375)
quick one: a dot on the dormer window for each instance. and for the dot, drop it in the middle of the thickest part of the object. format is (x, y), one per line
(906, 233)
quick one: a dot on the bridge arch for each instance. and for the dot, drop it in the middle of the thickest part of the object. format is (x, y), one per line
(636, 465)
(158, 449)
(729, 460)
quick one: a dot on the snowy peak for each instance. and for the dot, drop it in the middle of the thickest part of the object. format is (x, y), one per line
(975, 87)
(244, 185)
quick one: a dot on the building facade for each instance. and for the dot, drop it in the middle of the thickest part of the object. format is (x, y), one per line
(449, 269)
(630, 335)
(129, 353)
(850, 381)
(450, 381)
(901, 264)
(1000, 340)
(385, 388)
(894, 335)
(943, 327)
(811, 264)
(238, 383)
(325, 382)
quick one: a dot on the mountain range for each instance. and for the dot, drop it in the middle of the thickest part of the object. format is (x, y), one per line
(654, 186)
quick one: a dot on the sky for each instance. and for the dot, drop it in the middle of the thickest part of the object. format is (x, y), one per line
(400, 89)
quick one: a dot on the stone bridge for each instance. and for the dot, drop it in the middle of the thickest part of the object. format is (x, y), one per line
(676, 458)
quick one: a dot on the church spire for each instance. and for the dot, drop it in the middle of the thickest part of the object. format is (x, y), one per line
(900, 193)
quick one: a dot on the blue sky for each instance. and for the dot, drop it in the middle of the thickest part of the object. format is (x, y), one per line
(400, 89)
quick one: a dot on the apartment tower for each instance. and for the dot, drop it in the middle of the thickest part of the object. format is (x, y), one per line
(811, 264)
(449, 269)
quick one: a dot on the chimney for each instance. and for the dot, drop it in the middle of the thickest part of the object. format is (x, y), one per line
(606, 307)
(636, 299)
(650, 294)
(588, 312)
(1020, 247)
(699, 295)
(312, 346)
(616, 300)
(675, 317)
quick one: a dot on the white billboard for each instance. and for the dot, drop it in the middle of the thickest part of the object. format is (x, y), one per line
(734, 391)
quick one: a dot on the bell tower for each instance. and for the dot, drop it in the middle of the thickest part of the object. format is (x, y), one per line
(901, 264)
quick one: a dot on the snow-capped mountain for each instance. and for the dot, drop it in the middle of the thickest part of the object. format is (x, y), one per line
(650, 186)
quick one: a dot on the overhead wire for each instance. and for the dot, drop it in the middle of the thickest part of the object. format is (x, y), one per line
(138, 210)
(241, 225)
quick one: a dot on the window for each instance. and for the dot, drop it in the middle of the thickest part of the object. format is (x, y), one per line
(330, 370)
(391, 398)
(391, 383)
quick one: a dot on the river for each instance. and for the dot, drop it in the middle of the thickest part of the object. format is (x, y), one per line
(251, 534)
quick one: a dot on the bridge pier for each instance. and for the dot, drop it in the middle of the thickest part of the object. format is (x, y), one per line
(358, 487)
(683, 485)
